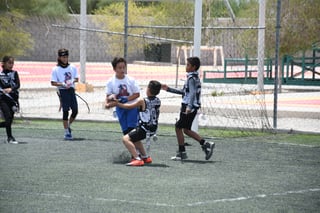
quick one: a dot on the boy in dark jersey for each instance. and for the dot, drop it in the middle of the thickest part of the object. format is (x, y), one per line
(9, 95)
(149, 110)
(190, 104)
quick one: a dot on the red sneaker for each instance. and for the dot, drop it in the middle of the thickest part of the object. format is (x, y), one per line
(147, 159)
(135, 162)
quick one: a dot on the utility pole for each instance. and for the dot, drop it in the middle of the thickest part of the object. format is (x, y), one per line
(125, 43)
(197, 44)
(197, 28)
(83, 40)
(261, 41)
(276, 79)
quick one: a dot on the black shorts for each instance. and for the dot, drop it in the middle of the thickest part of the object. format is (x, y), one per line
(137, 134)
(185, 120)
(68, 99)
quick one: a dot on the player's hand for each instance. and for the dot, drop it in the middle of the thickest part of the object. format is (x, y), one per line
(164, 86)
(7, 90)
(68, 84)
(188, 110)
(111, 98)
(110, 104)
(123, 99)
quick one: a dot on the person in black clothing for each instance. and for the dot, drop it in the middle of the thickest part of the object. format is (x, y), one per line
(191, 93)
(9, 95)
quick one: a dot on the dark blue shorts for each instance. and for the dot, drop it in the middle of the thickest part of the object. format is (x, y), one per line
(68, 99)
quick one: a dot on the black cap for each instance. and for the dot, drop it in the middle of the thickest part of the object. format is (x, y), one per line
(63, 52)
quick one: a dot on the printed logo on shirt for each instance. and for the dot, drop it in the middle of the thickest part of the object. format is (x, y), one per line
(123, 90)
(67, 76)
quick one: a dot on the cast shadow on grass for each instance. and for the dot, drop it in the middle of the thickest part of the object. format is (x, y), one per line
(79, 139)
(22, 142)
(198, 161)
(161, 165)
(158, 165)
(123, 157)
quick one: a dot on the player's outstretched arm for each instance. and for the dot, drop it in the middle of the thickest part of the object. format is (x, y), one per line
(172, 90)
(138, 104)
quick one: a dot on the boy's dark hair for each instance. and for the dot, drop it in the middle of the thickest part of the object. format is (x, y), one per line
(117, 60)
(154, 87)
(194, 61)
(5, 59)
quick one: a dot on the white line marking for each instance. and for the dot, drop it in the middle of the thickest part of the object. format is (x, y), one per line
(236, 199)
(255, 196)
(296, 144)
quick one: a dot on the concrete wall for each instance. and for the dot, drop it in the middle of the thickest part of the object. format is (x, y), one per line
(49, 38)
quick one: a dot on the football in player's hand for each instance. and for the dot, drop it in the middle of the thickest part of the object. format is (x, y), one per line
(112, 97)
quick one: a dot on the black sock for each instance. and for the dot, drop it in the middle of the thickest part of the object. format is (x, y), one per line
(202, 141)
(182, 148)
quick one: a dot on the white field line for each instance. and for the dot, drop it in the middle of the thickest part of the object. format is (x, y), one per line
(295, 144)
(201, 203)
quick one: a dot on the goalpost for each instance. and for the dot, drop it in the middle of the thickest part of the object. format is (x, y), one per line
(261, 40)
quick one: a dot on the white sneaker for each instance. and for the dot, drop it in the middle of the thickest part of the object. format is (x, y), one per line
(180, 156)
(12, 140)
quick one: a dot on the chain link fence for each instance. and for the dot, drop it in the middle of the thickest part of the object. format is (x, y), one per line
(151, 55)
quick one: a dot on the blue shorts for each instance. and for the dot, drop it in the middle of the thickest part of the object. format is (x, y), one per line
(128, 118)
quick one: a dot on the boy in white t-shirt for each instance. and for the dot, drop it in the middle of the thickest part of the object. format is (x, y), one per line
(125, 89)
(63, 76)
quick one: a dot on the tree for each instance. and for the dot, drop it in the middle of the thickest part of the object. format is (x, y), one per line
(111, 18)
(52, 8)
(166, 13)
(13, 39)
(300, 21)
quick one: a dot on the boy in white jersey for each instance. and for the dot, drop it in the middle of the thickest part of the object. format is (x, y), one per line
(149, 110)
(190, 104)
(122, 87)
(63, 76)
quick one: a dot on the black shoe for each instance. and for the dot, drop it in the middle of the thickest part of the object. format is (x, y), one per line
(12, 140)
(180, 156)
(208, 147)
